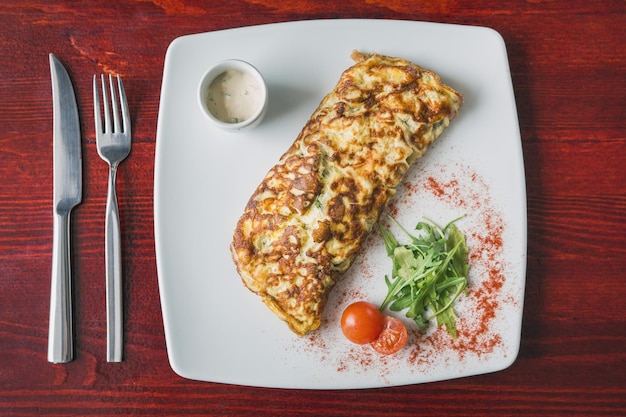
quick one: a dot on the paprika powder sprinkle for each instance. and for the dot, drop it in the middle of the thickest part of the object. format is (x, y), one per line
(455, 191)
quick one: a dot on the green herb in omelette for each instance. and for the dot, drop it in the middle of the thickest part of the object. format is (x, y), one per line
(428, 273)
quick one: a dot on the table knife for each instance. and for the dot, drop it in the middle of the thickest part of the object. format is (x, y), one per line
(66, 195)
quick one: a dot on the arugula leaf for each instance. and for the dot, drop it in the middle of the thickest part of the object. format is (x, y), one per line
(428, 273)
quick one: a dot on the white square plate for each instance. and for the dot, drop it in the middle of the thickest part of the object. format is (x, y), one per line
(216, 330)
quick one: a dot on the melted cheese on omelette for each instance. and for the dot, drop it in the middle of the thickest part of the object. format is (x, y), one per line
(306, 221)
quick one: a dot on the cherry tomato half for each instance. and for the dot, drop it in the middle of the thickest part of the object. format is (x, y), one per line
(392, 338)
(361, 322)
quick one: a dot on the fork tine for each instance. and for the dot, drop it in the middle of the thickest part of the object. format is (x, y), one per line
(106, 106)
(114, 105)
(96, 106)
(124, 105)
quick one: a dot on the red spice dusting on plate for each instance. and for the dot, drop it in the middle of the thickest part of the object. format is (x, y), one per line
(467, 191)
(316, 342)
(359, 357)
(441, 195)
(435, 187)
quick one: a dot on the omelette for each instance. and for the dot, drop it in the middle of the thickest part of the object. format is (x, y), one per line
(304, 224)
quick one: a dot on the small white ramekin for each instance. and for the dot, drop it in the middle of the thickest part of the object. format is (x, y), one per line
(216, 71)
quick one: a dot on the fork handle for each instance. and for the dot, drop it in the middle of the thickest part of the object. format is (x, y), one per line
(113, 255)
(60, 341)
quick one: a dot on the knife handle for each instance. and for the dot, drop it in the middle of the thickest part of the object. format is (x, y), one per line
(60, 341)
(113, 254)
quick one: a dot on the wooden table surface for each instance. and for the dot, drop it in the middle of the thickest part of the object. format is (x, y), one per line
(568, 68)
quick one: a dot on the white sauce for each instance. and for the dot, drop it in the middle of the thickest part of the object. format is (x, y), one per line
(234, 96)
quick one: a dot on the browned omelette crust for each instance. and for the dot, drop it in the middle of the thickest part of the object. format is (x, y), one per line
(306, 221)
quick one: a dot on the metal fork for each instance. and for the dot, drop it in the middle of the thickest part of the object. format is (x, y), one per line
(113, 140)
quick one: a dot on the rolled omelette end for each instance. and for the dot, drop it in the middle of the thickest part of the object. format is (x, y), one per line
(306, 221)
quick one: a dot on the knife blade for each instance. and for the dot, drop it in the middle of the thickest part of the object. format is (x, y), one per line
(67, 194)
